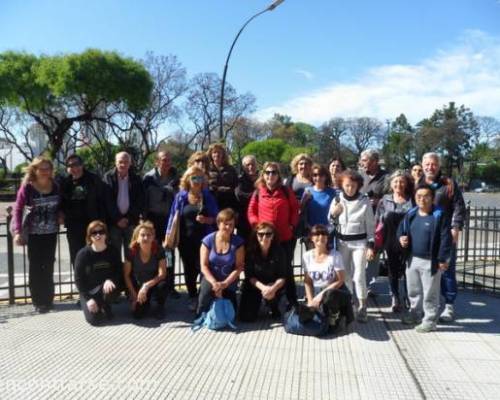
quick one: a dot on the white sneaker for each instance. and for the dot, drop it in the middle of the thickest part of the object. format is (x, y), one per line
(448, 314)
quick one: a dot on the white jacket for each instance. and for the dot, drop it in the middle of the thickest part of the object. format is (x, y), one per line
(356, 218)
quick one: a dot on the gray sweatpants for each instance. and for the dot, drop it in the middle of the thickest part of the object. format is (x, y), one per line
(423, 289)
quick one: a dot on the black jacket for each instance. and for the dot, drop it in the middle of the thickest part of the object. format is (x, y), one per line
(136, 197)
(83, 200)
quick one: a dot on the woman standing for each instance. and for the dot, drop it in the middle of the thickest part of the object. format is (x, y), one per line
(98, 271)
(145, 271)
(324, 280)
(390, 211)
(222, 257)
(222, 177)
(199, 159)
(195, 210)
(265, 273)
(316, 200)
(274, 203)
(355, 231)
(336, 167)
(417, 172)
(39, 193)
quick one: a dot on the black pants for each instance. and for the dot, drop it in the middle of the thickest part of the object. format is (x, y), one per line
(159, 223)
(76, 240)
(251, 299)
(155, 294)
(207, 296)
(103, 301)
(41, 257)
(396, 266)
(290, 287)
(190, 255)
(338, 301)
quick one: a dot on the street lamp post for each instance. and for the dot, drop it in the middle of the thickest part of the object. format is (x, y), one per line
(271, 7)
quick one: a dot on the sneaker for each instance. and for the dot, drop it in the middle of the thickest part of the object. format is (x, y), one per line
(43, 309)
(410, 319)
(425, 327)
(174, 294)
(362, 315)
(448, 314)
(193, 304)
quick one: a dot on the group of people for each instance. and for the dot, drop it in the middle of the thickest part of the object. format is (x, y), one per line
(223, 223)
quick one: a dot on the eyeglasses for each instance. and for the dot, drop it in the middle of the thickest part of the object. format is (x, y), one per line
(98, 233)
(264, 234)
(196, 179)
(271, 172)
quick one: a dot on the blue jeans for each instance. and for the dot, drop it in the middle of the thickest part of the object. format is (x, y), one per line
(449, 278)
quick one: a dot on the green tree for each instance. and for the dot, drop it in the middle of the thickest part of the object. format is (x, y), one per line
(266, 150)
(399, 147)
(58, 92)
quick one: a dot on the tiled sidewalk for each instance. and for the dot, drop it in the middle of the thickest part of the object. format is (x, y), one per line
(57, 355)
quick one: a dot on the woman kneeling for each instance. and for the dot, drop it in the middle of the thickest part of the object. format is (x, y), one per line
(98, 269)
(221, 258)
(324, 281)
(145, 272)
(265, 273)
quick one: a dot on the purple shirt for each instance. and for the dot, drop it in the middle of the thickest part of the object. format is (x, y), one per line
(222, 264)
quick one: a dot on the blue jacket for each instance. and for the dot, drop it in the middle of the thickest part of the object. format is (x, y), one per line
(209, 206)
(440, 239)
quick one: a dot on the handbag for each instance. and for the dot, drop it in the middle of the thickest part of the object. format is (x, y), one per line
(379, 236)
(25, 218)
(220, 315)
(304, 321)
(172, 237)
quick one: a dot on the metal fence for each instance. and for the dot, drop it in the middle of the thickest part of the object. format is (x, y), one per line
(478, 260)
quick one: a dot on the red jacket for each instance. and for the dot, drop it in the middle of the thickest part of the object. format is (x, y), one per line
(275, 207)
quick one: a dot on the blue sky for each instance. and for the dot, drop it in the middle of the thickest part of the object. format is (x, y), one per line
(311, 59)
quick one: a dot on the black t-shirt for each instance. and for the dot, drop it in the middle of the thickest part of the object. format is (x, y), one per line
(421, 232)
(93, 268)
(266, 270)
(145, 271)
(190, 228)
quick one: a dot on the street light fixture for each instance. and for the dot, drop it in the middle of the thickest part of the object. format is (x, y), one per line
(271, 7)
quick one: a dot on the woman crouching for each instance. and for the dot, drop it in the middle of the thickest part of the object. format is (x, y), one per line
(265, 273)
(324, 277)
(145, 272)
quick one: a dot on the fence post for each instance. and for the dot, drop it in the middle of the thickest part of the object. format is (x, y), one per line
(466, 234)
(10, 258)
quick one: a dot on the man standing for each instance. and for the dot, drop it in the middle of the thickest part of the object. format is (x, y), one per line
(82, 195)
(125, 201)
(373, 187)
(449, 198)
(244, 191)
(160, 185)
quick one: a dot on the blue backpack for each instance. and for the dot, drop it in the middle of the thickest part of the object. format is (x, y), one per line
(220, 315)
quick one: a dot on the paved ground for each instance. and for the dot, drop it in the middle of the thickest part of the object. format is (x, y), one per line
(57, 355)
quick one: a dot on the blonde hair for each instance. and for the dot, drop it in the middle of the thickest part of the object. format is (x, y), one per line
(32, 167)
(220, 147)
(199, 155)
(261, 181)
(147, 225)
(298, 158)
(185, 182)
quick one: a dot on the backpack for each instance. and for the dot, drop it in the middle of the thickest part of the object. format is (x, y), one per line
(220, 315)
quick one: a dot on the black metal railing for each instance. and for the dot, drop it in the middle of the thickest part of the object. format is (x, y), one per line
(478, 260)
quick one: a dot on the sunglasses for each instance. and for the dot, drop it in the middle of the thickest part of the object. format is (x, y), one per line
(317, 175)
(271, 172)
(196, 179)
(264, 234)
(98, 233)
(74, 164)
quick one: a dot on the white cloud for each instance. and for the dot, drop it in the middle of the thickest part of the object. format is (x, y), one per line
(305, 73)
(468, 73)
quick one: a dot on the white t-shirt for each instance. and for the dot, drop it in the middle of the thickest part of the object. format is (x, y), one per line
(322, 274)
